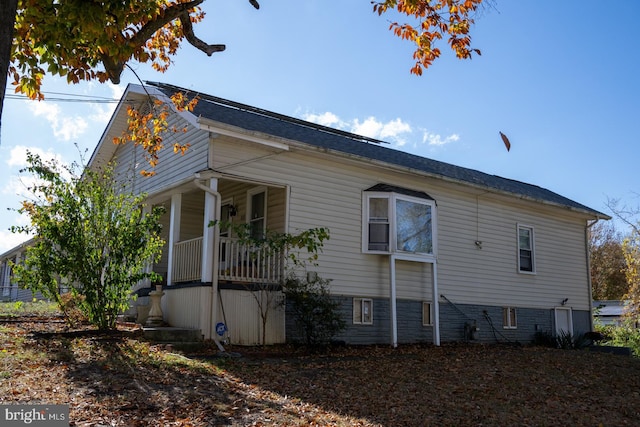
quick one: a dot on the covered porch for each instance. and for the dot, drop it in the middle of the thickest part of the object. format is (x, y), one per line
(209, 275)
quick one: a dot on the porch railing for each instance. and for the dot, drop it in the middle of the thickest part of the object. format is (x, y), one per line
(187, 260)
(237, 262)
(247, 263)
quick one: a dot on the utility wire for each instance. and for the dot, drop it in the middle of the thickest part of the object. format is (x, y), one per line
(68, 97)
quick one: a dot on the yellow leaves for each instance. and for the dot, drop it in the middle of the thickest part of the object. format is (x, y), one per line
(436, 19)
(149, 130)
(180, 148)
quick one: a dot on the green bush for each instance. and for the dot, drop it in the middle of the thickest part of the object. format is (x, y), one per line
(316, 314)
(625, 335)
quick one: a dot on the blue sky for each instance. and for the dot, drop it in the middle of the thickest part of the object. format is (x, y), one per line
(558, 78)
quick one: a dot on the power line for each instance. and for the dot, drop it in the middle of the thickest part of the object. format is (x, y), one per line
(68, 97)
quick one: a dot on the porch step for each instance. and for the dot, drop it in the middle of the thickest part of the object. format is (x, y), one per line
(168, 334)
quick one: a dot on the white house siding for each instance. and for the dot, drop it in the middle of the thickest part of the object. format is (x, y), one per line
(181, 306)
(172, 167)
(240, 312)
(192, 215)
(328, 193)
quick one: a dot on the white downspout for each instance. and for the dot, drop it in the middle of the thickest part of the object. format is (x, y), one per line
(586, 242)
(392, 301)
(216, 249)
(436, 304)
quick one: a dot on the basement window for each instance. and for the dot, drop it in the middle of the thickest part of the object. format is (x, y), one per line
(362, 311)
(509, 318)
(427, 316)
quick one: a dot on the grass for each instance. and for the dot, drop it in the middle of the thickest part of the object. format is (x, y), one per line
(35, 308)
(119, 379)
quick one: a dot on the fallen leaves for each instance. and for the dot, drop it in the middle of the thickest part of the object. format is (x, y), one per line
(119, 380)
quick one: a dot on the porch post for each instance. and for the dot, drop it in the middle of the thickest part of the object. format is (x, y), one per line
(209, 301)
(208, 233)
(174, 233)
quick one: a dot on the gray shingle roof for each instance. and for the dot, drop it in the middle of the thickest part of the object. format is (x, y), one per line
(258, 120)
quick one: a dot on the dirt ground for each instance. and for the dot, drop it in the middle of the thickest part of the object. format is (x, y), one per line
(118, 379)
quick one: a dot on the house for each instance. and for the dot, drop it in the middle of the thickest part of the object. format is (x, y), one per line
(9, 289)
(420, 250)
(609, 312)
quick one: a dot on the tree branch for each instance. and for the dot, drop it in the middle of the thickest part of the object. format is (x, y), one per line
(114, 67)
(187, 29)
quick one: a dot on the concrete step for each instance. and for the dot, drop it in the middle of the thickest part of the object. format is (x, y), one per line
(168, 334)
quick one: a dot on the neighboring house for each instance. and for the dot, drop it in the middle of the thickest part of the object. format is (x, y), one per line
(420, 250)
(9, 289)
(609, 312)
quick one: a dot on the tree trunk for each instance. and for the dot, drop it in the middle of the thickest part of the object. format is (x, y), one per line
(7, 20)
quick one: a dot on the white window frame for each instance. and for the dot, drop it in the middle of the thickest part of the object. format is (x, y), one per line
(392, 198)
(532, 249)
(427, 318)
(250, 195)
(507, 321)
(363, 311)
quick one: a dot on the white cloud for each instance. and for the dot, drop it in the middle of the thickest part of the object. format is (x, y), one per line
(18, 155)
(397, 131)
(65, 128)
(9, 240)
(324, 119)
(19, 184)
(437, 140)
(371, 127)
(103, 112)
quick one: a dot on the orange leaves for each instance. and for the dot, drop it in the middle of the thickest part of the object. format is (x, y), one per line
(436, 19)
(150, 129)
(76, 39)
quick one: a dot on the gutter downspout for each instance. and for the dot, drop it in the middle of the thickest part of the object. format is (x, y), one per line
(586, 242)
(392, 301)
(216, 249)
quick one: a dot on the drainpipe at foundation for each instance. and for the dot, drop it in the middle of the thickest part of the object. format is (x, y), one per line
(586, 242)
(216, 249)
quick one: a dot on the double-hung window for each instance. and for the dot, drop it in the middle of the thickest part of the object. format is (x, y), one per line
(526, 259)
(257, 212)
(398, 221)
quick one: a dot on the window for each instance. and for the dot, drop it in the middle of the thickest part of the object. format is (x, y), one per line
(378, 224)
(226, 217)
(427, 319)
(400, 223)
(257, 212)
(526, 261)
(509, 320)
(362, 311)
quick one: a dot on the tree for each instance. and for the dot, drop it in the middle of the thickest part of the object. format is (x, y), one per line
(90, 234)
(7, 18)
(94, 40)
(435, 19)
(608, 265)
(631, 249)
